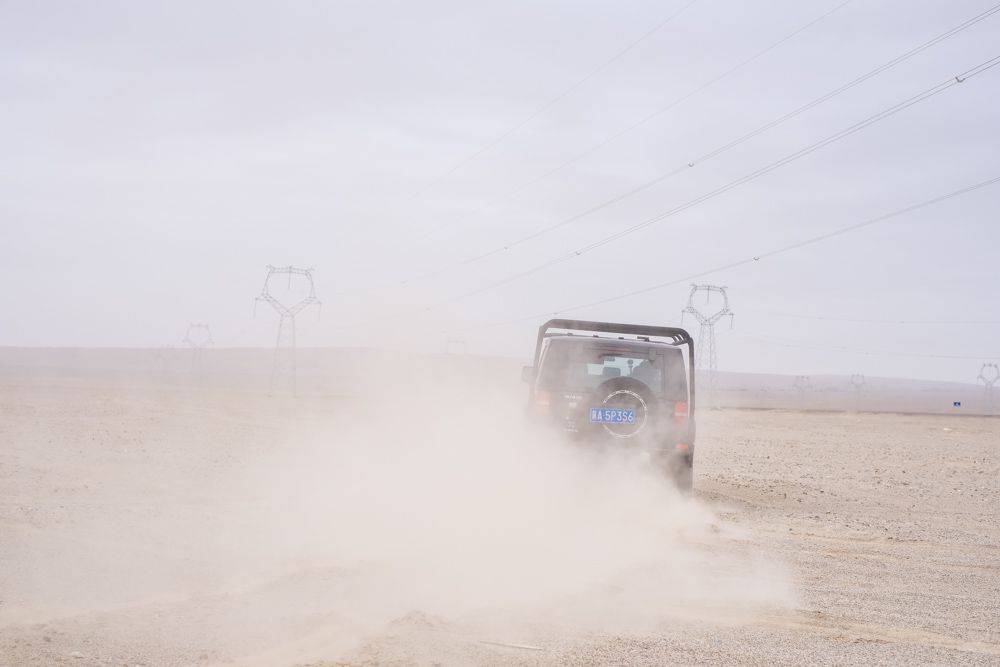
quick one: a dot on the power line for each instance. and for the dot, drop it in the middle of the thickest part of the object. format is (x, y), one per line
(858, 320)
(705, 157)
(658, 112)
(777, 251)
(876, 353)
(750, 259)
(552, 102)
(881, 115)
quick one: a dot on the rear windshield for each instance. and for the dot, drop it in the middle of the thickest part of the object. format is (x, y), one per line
(573, 366)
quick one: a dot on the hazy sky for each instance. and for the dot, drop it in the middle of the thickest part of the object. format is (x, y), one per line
(157, 155)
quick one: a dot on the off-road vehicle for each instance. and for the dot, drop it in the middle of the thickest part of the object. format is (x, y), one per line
(624, 384)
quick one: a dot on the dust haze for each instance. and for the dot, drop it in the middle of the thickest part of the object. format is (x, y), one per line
(405, 512)
(273, 271)
(424, 494)
(462, 507)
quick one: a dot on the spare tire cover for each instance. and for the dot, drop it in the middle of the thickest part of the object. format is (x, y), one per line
(626, 396)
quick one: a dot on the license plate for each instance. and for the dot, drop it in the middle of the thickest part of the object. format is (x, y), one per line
(611, 416)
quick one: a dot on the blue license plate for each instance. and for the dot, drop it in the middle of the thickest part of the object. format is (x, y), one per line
(611, 416)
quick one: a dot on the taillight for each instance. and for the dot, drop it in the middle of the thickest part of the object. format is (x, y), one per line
(543, 401)
(680, 411)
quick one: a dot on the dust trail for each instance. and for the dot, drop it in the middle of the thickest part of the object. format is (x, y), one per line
(180, 527)
(437, 497)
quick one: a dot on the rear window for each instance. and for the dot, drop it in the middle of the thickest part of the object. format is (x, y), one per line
(584, 367)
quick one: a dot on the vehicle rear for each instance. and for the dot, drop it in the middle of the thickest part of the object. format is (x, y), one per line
(633, 392)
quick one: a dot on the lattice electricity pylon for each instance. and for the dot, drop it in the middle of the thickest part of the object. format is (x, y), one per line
(858, 382)
(284, 346)
(162, 356)
(989, 375)
(705, 357)
(802, 384)
(456, 346)
(198, 337)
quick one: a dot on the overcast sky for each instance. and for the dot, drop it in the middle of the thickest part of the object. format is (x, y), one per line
(157, 155)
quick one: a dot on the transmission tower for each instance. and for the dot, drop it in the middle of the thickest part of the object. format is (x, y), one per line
(162, 356)
(705, 357)
(198, 337)
(989, 375)
(858, 382)
(283, 364)
(456, 346)
(802, 384)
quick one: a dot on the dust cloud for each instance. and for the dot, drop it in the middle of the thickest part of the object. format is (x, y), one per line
(220, 525)
(437, 497)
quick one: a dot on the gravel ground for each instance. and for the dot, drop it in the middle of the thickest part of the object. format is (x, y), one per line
(115, 517)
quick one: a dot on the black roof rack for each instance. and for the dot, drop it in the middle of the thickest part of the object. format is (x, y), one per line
(675, 335)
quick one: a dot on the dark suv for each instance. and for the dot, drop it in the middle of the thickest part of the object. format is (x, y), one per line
(618, 383)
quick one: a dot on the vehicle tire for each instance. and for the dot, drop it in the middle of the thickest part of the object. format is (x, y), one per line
(684, 478)
(629, 394)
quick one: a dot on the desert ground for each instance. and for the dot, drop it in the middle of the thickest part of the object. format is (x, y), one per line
(165, 525)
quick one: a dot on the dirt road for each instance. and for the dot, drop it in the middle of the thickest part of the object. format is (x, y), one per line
(128, 536)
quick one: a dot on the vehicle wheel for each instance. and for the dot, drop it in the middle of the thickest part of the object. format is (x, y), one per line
(684, 478)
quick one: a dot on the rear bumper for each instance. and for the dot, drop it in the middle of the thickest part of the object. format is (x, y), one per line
(673, 443)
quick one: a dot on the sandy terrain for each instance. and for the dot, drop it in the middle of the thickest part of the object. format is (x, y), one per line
(168, 526)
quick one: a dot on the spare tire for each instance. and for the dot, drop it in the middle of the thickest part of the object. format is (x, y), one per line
(629, 395)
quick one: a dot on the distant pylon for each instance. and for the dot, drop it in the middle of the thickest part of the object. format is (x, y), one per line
(162, 357)
(197, 337)
(858, 382)
(705, 357)
(456, 346)
(284, 363)
(802, 384)
(989, 375)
